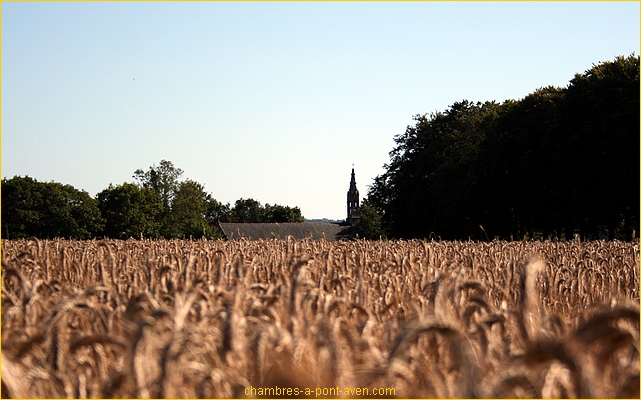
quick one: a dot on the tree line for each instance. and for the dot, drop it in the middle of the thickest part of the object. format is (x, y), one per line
(561, 162)
(558, 163)
(158, 205)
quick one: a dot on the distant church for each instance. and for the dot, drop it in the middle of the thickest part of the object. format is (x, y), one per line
(353, 204)
(350, 229)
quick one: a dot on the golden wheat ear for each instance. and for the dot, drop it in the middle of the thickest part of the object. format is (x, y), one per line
(13, 380)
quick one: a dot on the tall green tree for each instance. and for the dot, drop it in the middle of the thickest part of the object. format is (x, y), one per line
(278, 213)
(371, 220)
(217, 212)
(130, 211)
(47, 210)
(162, 180)
(22, 206)
(252, 211)
(247, 210)
(188, 212)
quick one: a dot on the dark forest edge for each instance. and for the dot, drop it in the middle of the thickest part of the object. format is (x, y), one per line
(558, 164)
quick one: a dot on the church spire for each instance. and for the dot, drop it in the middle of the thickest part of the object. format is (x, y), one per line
(353, 204)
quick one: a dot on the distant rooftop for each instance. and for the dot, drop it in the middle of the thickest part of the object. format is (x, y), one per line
(297, 230)
(333, 221)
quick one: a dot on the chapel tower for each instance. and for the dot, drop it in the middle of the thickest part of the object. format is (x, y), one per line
(353, 204)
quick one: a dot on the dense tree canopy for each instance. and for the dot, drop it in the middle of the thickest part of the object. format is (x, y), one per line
(371, 223)
(278, 213)
(162, 180)
(130, 211)
(188, 210)
(160, 205)
(559, 162)
(47, 210)
(250, 210)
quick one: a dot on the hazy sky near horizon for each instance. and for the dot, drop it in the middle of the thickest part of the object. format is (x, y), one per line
(271, 101)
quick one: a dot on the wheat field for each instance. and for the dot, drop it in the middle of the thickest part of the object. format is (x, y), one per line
(428, 319)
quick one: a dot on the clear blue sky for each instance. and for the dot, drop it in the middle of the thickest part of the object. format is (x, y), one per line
(273, 101)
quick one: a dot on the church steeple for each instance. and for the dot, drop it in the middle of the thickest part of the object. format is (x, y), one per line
(353, 204)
